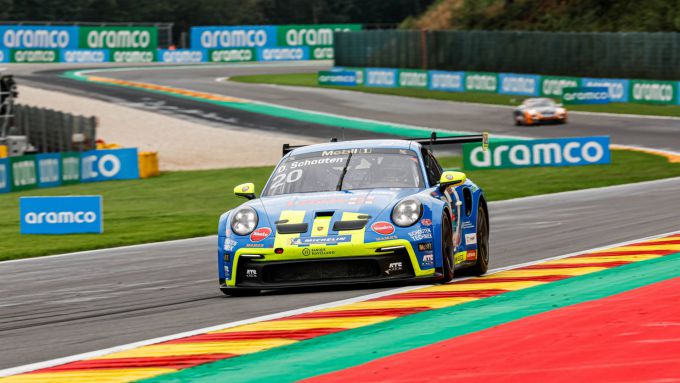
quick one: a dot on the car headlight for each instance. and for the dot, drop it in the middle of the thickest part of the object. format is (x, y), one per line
(407, 212)
(244, 220)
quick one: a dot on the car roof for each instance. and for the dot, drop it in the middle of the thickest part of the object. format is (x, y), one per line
(358, 144)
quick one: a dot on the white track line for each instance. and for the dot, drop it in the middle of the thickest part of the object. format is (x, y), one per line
(93, 354)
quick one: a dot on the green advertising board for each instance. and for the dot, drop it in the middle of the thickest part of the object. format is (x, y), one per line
(311, 35)
(109, 37)
(232, 55)
(655, 92)
(552, 86)
(24, 172)
(412, 78)
(481, 82)
(34, 55)
(132, 56)
(70, 168)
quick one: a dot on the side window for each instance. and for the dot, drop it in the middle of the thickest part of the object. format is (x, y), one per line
(433, 169)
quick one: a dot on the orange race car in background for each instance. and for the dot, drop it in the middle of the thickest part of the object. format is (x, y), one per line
(535, 111)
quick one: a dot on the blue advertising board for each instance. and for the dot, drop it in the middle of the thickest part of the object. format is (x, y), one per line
(282, 53)
(5, 177)
(4, 55)
(446, 81)
(49, 169)
(84, 56)
(219, 37)
(618, 88)
(381, 77)
(61, 215)
(344, 78)
(104, 165)
(519, 84)
(183, 56)
(38, 37)
(586, 95)
(571, 151)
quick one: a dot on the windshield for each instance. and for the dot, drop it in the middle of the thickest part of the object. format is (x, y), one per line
(345, 170)
(541, 102)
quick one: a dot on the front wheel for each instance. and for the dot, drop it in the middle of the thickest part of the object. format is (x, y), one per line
(482, 264)
(447, 249)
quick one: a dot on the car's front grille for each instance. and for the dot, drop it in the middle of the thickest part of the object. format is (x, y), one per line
(320, 271)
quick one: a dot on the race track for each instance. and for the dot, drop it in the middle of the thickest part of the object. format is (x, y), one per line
(60, 306)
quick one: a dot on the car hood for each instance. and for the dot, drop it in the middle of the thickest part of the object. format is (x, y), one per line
(369, 202)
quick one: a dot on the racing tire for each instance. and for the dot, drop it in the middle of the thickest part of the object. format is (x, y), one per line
(239, 292)
(518, 121)
(448, 264)
(482, 265)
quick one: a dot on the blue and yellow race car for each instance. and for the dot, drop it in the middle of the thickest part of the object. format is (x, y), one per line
(355, 212)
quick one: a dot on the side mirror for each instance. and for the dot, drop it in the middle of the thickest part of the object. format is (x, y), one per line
(245, 190)
(450, 178)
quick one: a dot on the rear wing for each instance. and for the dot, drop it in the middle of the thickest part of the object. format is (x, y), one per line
(433, 140)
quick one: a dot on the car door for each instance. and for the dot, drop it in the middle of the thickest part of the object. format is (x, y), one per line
(449, 195)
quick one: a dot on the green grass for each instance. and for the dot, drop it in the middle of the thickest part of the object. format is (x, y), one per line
(309, 80)
(188, 204)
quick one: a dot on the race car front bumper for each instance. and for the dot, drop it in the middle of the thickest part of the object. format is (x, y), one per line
(371, 263)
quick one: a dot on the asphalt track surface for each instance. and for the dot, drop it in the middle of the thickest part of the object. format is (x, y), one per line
(59, 306)
(658, 133)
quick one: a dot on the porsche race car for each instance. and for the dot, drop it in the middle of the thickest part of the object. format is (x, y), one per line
(535, 111)
(353, 212)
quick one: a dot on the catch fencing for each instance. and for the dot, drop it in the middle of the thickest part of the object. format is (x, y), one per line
(639, 55)
(51, 131)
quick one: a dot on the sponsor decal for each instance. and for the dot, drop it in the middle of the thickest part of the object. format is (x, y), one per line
(618, 88)
(232, 55)
(428, 259)
(229, 244)
(545, 152)
(307, 251)
(251, 273)
(38, 37)
(386, 238)
(260, 234)
(34, 56)
(481, 82)
(4, 175)
(233, 37)
(4, 55)
(111, 37)
(519, 84)
(315, 162)
(226, 271)
(49, 169)
(446, 81)
(460, 257)
(381, 77)
(114, 164)
(345, 152)
(426, 222)
(657, 92)
(24, 172)
(552, 86)
(585, 95)
(425, 246)
(70, 168)
(384, 228)
(282, 54)
(471, 255)
(413, 78)
(320, 240)
(183, 56)
(468, 225)
(252, 245)
(61, 215)
(471, 239)
(345, 78)
(85, 56)
(127, 56)
(245, 189)
(311, 35)
(394, 266)
(420, 234)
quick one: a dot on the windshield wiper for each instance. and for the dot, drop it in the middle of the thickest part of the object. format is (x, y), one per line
(344, 171)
